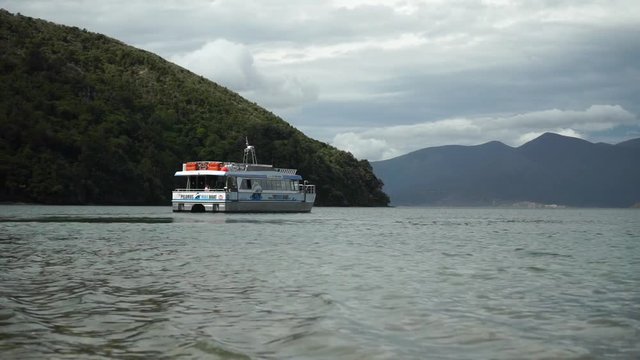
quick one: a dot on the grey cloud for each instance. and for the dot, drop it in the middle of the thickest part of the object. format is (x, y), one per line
(388, 141)
(595, 67)
(381, 64)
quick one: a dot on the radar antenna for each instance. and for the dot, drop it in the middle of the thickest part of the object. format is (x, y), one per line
(249, 154)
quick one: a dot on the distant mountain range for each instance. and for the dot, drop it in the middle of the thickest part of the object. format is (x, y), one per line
(551, 169)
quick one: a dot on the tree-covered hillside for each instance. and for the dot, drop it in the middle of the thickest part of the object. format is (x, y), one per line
(87, 119)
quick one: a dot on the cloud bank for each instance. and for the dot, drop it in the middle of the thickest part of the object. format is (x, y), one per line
(453, 71)
(387, 142)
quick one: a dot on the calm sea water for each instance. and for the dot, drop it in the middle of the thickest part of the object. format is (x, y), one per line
(338, 283)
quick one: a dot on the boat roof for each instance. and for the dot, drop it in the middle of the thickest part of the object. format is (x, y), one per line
(245, 174)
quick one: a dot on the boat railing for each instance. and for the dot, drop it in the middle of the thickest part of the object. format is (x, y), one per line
(286, 171)
(309, 189)
(257, 167)
(200, 190)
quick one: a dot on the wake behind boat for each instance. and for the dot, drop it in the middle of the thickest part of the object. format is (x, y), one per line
(215, 186)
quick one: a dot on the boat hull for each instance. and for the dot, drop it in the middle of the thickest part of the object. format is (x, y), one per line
(257, 206)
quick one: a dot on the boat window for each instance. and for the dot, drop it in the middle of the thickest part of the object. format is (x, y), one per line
(217, 182)
(246, 184)
(231, 183)
(270, 184)
(181, 182)
(262, 183)
(273, 185)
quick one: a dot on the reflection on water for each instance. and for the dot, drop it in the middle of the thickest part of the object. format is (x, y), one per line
(120, 282)
(142, 216)
(89, 219)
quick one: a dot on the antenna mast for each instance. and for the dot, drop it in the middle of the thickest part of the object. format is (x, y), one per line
(249, 154)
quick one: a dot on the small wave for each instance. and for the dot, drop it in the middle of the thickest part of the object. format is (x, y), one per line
(608, 322)
(260, 221)
(545, 253)
(447, 254)
(219, 350)
(291, 337)
(88, 219)
(326, 298)
(526, 221)
(535, 269)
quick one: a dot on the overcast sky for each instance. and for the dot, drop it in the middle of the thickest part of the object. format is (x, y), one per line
(381, 78)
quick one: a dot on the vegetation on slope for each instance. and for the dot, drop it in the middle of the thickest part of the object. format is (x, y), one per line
(87, 119)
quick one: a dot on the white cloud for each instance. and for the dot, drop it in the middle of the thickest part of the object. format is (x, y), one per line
(386, 142)
(532, 135)
(232, 65)
(363, 147)
(227, 63)
(594, 118)
(289, 55)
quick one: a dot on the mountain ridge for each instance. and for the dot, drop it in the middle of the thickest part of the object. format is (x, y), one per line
(550, 169)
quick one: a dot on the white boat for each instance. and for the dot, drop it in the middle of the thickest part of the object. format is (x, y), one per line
(215, 186)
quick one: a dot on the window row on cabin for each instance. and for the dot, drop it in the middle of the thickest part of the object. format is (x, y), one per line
(269, 184)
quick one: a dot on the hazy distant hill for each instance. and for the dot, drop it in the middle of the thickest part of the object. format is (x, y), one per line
(634, 143)
(87, 119)
(551, 169)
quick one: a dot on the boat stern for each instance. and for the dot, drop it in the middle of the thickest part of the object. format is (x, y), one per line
(196, 201)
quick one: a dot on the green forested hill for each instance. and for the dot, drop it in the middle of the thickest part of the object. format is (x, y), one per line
(87, 119)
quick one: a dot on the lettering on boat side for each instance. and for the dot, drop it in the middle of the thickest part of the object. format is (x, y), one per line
(202, 197)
